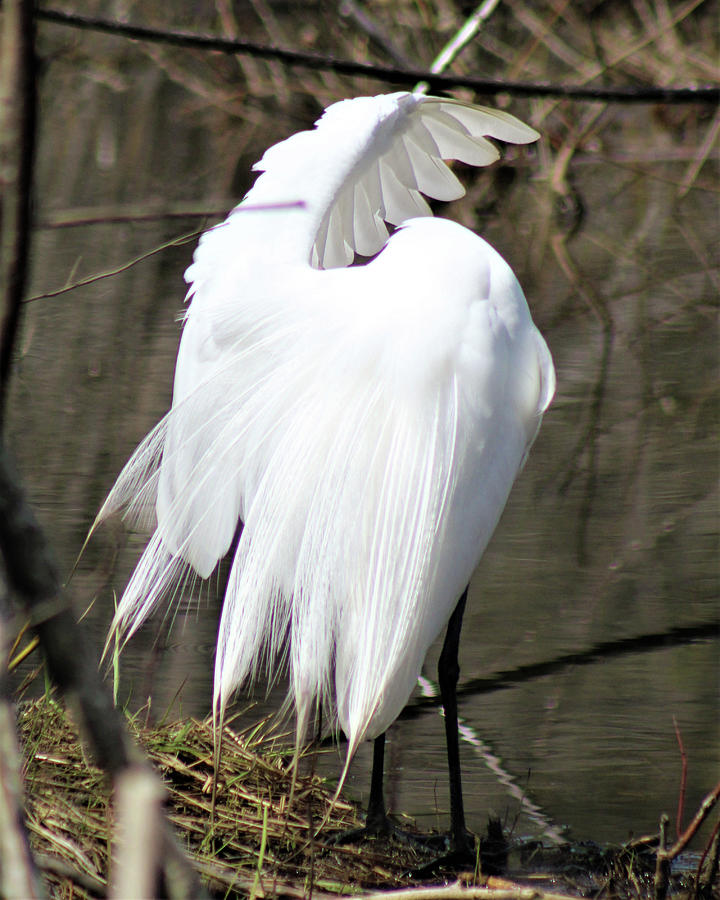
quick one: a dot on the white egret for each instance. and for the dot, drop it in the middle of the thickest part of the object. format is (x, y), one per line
(359, 427)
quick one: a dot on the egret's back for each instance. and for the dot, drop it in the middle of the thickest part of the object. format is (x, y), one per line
(365, 424)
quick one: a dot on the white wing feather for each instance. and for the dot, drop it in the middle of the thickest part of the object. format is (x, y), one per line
(343, 416)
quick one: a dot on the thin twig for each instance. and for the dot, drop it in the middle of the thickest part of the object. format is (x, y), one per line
(174, 242)
(458, 42)
(99, 276)
(118, 214)
(463, 37)
(683, 778)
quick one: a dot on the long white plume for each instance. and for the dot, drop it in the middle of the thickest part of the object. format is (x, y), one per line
(364, 424)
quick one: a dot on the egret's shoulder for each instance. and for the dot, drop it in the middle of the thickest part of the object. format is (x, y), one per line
(446, 256)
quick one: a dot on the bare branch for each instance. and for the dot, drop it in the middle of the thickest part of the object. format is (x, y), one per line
(400, 76)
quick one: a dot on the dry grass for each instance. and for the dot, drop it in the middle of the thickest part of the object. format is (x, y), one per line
(256, 844)
(70, 814)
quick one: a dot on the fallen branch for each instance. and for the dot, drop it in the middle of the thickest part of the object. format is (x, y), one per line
(460, 891)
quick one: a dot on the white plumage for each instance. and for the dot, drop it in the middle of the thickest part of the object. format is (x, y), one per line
(365, 424)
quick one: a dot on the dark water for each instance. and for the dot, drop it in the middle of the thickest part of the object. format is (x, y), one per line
(610, 534)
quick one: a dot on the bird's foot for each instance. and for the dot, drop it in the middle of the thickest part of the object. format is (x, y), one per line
(447, 851)
(455, 852)
(380, 826)
(463, 850)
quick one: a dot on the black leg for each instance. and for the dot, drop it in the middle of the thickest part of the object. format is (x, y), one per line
(377, 823)
(376, 815)
(236, 538)
(448, 673)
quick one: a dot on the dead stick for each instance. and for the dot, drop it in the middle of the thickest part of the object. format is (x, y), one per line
(665, 855)
(703, 812)
(683, 779)
(662, 862)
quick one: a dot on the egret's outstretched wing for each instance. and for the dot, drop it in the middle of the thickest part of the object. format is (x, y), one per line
(402, 160)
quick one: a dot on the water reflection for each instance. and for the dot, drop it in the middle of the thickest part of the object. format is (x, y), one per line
(610, 533)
